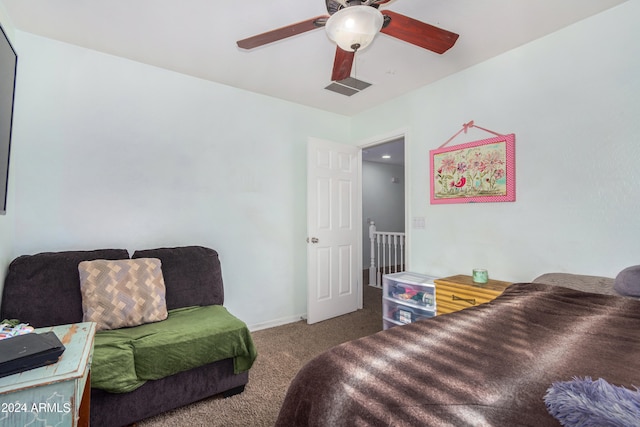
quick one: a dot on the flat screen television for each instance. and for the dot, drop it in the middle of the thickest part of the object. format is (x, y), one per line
(8, 66)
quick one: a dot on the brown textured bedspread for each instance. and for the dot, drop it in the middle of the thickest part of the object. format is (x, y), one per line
(485, 366)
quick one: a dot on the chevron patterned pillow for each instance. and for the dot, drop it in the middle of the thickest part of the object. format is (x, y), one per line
(122, 293)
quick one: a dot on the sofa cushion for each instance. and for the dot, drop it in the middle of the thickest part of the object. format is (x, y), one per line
(192, 275)
(123, 359)
(122, 293)
(34, 282)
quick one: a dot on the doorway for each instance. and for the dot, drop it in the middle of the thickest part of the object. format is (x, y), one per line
(383, 193)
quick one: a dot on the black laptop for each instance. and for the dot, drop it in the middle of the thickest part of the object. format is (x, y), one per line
(29, 351)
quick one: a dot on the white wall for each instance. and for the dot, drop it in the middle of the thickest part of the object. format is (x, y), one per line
(113, 153)
(573, 101)
(382, 201)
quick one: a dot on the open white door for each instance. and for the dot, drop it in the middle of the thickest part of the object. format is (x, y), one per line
(333, 226)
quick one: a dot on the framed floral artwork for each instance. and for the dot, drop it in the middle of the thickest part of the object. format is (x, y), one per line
(478, 171)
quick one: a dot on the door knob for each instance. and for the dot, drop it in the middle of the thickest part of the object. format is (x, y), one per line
(312, 240)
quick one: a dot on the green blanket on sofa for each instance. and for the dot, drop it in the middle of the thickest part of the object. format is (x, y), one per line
(124, 359)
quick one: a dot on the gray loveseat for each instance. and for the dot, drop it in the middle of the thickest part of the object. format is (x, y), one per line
(44, 290)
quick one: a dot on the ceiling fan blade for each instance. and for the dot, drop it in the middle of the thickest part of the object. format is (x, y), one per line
(384, 3)
(342, 64)
(283, 32)
(418, 33)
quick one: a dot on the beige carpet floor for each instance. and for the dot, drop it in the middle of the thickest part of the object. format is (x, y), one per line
(282, 351)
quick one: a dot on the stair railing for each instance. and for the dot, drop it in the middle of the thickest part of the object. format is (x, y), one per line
(387, 254)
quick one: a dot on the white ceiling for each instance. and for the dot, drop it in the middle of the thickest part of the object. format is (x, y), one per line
(197, 38)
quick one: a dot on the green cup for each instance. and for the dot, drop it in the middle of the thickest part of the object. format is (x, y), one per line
(480, 275)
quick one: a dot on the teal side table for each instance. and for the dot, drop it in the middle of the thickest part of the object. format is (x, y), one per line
(57, 394)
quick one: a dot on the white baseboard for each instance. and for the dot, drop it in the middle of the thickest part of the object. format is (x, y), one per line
(277, 322)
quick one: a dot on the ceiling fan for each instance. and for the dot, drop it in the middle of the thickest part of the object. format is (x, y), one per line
(352, 25)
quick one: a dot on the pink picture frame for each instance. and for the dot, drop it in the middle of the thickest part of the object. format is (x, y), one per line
(481, 171)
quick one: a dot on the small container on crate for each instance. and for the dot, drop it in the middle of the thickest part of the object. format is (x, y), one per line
(480, 275)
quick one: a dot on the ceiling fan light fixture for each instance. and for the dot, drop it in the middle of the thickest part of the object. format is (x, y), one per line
(354, 27)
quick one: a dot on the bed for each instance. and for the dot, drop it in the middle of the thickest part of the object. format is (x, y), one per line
(490, 365)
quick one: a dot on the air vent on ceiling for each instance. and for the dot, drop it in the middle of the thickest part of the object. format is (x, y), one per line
(349, 86)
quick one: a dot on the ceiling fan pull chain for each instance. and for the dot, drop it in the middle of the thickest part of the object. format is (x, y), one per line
(355, 66)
